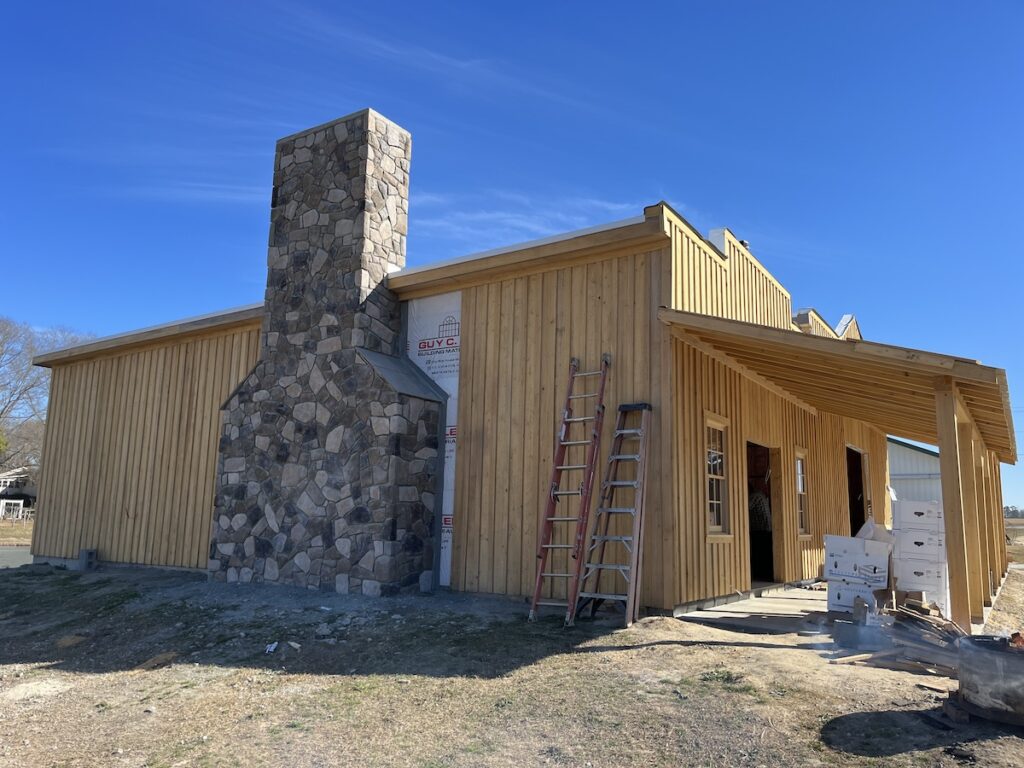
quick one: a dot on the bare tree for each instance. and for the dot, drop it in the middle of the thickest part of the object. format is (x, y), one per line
(24, 389)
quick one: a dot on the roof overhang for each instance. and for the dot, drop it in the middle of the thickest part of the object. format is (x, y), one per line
(644, 232)
(890, 387)
(216, 321)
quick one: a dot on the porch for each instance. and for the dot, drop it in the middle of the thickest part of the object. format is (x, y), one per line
(955, 403)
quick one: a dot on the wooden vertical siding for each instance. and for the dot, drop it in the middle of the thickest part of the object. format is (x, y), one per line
(518, 334)
(517, 337)
(131, 449)
(718, 564)
(735, 285)
(732, 284)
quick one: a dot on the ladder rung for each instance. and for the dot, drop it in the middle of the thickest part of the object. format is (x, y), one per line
(617, 510)
(629, 432)
(625, 457)
(563, 519)
(608, 567)
(585, 394)
(571, 466)
(575, 442)
(604, 596)
(576, 419)
(609, 538)
(556, 575)
(556, 603)
(623, 483)
(567, 493)
(557, 546)
(582, 374)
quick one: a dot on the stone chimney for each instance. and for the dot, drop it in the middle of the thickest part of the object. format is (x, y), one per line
(327, 468)
(338, 221)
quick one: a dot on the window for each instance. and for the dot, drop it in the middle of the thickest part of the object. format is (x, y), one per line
(718, 510)
(801, 492)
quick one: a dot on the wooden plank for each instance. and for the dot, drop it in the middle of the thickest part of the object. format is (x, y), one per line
(972, 528)
(952, 502)
(504, 526)
(532, 445)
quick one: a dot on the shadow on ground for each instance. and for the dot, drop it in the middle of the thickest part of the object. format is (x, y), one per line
(117, 619)
(887, 733)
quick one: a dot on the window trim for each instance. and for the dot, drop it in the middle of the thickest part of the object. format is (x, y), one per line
(803, 528)
(715, 421)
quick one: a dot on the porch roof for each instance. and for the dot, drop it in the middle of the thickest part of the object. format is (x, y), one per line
(891, 387)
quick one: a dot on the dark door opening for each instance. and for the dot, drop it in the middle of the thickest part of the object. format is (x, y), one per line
(855, 484)
(759, 510)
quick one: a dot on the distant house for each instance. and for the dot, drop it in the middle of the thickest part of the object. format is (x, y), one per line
(17, 494)
(914, 472)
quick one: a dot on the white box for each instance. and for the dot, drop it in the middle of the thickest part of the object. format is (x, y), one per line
(917, 514)
(920, 575)
(857, 560)
(921, 544)
(841, 596)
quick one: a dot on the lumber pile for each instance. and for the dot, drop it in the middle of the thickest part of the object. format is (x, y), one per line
(926, 639)
(922, 640)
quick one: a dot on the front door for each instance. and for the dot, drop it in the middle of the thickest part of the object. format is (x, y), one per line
(759, 513)
(855, 486)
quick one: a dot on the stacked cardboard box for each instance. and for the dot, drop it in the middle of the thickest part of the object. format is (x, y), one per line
(920, 555)
(855, 568)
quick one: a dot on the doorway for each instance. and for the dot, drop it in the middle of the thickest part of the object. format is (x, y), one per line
(855, 486)
(759, 511)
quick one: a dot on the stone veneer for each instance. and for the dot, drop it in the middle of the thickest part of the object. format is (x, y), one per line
(327, 473)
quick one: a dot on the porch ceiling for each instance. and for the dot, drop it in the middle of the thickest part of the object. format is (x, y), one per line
(891, 387)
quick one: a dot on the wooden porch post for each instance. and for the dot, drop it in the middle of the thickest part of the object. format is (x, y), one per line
(952, 502)
(997, 486)
(972, 529)
(987, 522)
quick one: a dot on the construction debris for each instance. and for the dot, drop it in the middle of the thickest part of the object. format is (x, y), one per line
(927, 640)
(922, 640)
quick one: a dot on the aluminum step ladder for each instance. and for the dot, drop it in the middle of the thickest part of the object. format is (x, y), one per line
(577, 449)
(624, 558)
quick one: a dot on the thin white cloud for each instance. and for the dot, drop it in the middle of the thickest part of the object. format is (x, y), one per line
(499, 217)
(482, 75)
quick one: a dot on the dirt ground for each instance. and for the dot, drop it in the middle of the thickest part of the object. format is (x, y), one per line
(15, 533)
(146, 668)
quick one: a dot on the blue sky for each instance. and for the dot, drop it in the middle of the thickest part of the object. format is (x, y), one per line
(870, 152)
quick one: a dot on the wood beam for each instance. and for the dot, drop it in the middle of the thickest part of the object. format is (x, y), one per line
(952, 502)
(736, 365)
(853, 350)
(997, 488)
(972, 528)
(988, 521)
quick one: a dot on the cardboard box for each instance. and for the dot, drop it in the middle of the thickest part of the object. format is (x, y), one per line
(841, 595)
(917, 514)
(921, 544)
(913, 575)
(857, 561)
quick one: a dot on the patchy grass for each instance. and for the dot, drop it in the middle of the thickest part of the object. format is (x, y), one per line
(432, 681)
(15, 533)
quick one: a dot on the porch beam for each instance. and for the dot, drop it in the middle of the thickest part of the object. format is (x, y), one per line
(952, 502)
(997, 487)
(972, 529)
(988, 548)
(730, 362)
